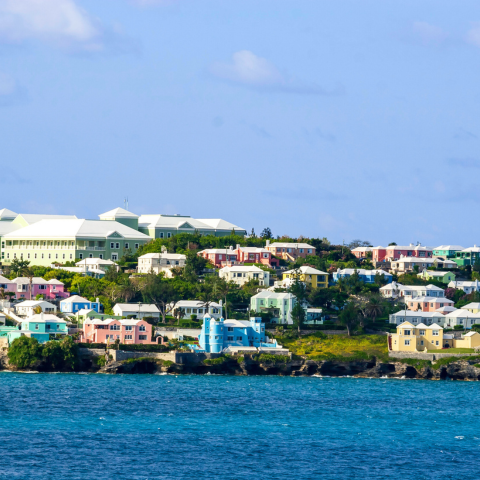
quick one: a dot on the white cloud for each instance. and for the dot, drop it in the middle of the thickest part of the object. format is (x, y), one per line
(429, 33)
(473, 35)
(250, 70)
(60, 22)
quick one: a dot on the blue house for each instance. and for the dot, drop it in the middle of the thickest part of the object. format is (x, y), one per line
(75, 303)
(219, 334)
(366, 276)
(41, 326)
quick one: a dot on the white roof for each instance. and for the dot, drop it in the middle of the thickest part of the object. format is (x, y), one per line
(46, 318)
(391, 286)
(403, 259)
(460, 312)
(472, 305)
(407, 324)
(95, 261)
(470, 334)
(362, 249)
(185, 223)
(314, 310)
(118, 213)
(75, 299)
(219, 250)
(254, 250)
(4, 280)
(236, 323)
(408, 247)
(421, 288)
(5, 213)
(135, 307)
(459, 284)
(409, 313)
(32, 218)
(446, 309)
(241, 268)
(269, 294)
(130, 321)
(428, 299)
(26, 281)
(76, 228)
(306, 270)
(290, 245)
(85, 311)
(449, 247)
(471, 249)
(432, 273)
(34, 303)
(168, 256)
(54, 281)
(219, 224)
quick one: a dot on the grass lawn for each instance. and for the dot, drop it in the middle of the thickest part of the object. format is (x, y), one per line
(319, 346)
(453, 350)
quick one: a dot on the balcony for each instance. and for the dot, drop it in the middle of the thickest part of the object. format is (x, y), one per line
(96, 249)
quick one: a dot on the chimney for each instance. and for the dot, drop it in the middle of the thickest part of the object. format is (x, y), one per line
(41, 316)
(238, 246)
(268, 243)
(98, 300)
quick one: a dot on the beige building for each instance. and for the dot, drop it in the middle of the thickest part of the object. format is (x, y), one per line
(417, 338)
(407, 264)
(241, 274)
(160, 262)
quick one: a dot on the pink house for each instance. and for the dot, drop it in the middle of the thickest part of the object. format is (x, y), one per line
(394, 252)
(50, 289)
(227, 257)
(107, 331)
(427, 304)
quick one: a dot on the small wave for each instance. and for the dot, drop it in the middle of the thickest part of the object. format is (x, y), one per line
(459, 437)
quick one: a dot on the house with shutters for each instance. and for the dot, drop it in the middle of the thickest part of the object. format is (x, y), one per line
(160, 262)
(290, 251)
(28, 289)
(241, 274)
(76, 303)
(127, 332)
(467, 256)
(29, 308)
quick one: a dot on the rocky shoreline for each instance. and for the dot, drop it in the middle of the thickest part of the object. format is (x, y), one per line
(458, 370)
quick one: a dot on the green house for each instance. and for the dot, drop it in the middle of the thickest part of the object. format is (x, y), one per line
(468, 256)
(447, 251)
(280, 305)
(43, 327)
(444, 277)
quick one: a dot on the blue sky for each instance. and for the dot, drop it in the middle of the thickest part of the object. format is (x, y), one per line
(348, 119)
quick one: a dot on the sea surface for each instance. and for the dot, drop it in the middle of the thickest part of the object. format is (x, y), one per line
(90, 426)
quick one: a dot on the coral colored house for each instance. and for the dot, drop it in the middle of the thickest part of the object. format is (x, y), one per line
(107, 331)
(220, 257)
(227, 257)
(395, 252)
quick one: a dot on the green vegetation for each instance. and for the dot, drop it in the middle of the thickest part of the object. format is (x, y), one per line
(26, 352)
(269, 358)
(319, 346)
(453, 350)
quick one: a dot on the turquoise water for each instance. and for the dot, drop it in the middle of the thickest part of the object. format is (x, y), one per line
(219, 427)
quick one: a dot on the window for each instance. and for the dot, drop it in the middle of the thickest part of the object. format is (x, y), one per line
(126, 245)
(436, 343)
(128, 327)
(161, 234)
(230, 329)
(229, 339)
(56, 255)
(117, 245)
(142, 337)
(36, 326)
(114, 256)
(422, 332)
(142, 328)
(90, 256)
(49, 255)
(301, 250)
(239, 339)
(309, 250)
(35, 255)
(136, 246)
(128, 337)
(112, 245)
(100, 256)
(435, 333)
(421, 342)
(406, 332)
(407, 342)
(169, 235)
(80, 256)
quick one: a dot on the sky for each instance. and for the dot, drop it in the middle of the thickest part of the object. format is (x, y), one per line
(341, 119)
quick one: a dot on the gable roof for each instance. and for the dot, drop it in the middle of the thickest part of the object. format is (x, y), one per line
(242, 268)
(449, 247)
(289, 245)
(77, 299)
(274, 295)
(31, 218)
(134, 307)
(76, 228)
(6, 214)
(118, 213)
(306, 270)
(33, 303)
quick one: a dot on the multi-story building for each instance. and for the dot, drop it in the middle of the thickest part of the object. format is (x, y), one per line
(196, 308)
(43, 327)
(136, 310)
(427, 304)
(160, 262)
(446, 251)
(466, 286)
(290, 251)
(366, 276)
(443, 277)
(397, 290)
(462, 317)
(408, 264)
(26, 288)
(28, 308)
(218, 335)
(473, 307)
(467, 256)
(415, 338)
(362, 252)
(255, 255)
(416, 318)
(227, 257)
(49, 241)
(240, 274)
(316, 278)
(279, 305)
(76, 303)
(133, 331)
(220, 257)
(394, 252)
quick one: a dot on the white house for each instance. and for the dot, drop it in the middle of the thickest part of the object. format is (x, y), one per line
(198, 308)
(416, 318)
(241, 274)
(397, 290)
(27, 307)
(461, 317)
(3, 319)
(467, 287)
(160, 262)
(139, 311)
(407, 264)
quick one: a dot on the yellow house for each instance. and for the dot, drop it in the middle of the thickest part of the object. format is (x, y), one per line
(472, 307)
(316, 278)
(469, 340)
(417, 338)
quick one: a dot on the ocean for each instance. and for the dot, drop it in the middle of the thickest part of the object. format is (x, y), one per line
(90, 426)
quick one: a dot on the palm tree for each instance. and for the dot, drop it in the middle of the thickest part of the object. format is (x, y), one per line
(375, 307)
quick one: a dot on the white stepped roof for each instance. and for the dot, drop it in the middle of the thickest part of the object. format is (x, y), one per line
(32, 218)
(76, 228)
(242, 268)
(134, 307)
(75, 299)
(219, 224)
(290, 245)
(274, 295)
(34, 303)
(43, 318)
(473, 306)
(449, 247)
(472, 249)
(118, 213)
(186, 223)
(306, 270)
(168, 256)
(5, 213)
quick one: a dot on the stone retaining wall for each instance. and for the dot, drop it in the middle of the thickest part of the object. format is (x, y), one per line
(429, 356)
(91, 352)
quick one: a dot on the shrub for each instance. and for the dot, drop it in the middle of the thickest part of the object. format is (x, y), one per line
(144, 348)
(24, 352)
(458, 327)
(270, 358)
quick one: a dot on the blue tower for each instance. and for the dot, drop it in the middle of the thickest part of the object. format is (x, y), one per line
(216, 335)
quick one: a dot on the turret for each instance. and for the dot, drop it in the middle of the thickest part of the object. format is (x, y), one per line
(216, 335)
(204, 339)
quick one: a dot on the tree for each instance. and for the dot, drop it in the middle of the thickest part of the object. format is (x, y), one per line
(160, 293)
(349, 317)
(298, 315)
(298, 288)
(24, 352)
(358, 243)
(266, 234)
(375, 307)
(18, 266)
(223, 289)
(392, 243)
(37, 310)
(113, 292)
